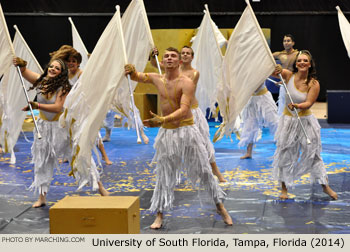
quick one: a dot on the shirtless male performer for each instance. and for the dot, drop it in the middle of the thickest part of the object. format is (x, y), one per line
(199, 118)
(179, 142)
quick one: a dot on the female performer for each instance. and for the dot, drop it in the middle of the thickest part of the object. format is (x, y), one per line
(294, 157)
(52, 88)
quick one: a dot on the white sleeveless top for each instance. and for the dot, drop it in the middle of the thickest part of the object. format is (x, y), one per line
(75, 78)
(297, 95)
(48, 116)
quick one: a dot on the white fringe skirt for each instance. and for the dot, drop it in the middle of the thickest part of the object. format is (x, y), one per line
(202, 124)
(176, 149)
(53, 144)
(260, 111)
(293, 156)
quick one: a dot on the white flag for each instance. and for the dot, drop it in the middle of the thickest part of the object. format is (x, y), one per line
(138, 43)
(78, 44)
(6, 47)
(247, 63)
(14, 97)
(208, 61)
(345, 29)
(87, 104)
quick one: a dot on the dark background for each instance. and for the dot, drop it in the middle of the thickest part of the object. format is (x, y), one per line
(314, 23)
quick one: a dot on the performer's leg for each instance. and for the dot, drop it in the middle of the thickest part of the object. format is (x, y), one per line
(103, 152)
(143, 135)
(158, 221)
(328, 190)
(102, 190)
(163, 194)
(284, 192)
(107, 137)
(217, 172)
(224, 214)
(41, 201)
(249, 151)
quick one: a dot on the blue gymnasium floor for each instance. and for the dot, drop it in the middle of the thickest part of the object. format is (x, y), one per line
(252, 195)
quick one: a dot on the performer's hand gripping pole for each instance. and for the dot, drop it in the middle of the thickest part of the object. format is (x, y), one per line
(295, 110)
(28, 101)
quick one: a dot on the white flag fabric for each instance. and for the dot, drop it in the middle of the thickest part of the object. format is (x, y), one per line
(219, 37)
(208, 61)
(247, 63)
(344, 29)
(88, 102)
(14, 97)
(78, 44)
(138, 43)
(6, 48)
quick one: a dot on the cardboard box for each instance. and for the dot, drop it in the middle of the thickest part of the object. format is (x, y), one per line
(95, 215)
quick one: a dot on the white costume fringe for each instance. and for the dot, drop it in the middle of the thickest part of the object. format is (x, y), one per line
(108, 122)
(176, 149)
(293, 156)
(260, 111)
(203, 126)
(54, 144)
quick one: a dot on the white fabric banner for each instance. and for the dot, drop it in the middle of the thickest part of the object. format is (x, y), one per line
(208, 61)
(79, 45)
(219, 37)
(345, 29)
(14, 97)
(138, 43)
(88, 102)
(6, 48)
(247, 63)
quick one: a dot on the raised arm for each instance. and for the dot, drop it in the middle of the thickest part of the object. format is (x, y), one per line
(26, 73)
(139, 76)
(152, 58)
(286, 74)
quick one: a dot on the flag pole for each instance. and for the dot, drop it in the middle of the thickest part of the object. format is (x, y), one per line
(129, 80)
(28, 101)
(158, 65)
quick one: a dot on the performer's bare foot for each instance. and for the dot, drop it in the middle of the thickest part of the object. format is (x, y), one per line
(217, 172)
(224, 214)
(107, 161)
(330, 192)
(249, 152)
(284, 192)
(246, 156)
(40, 202)
(102, 190)
(158, 222)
